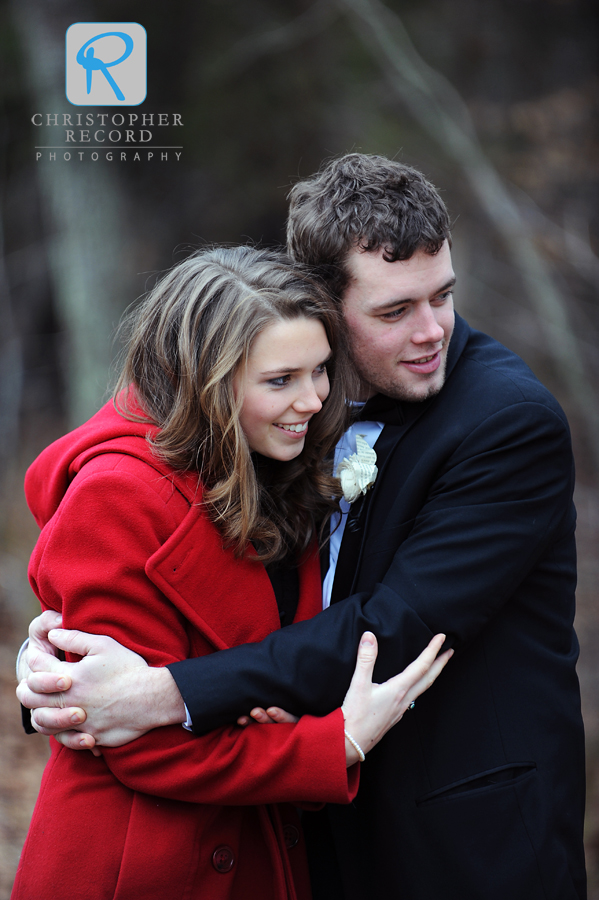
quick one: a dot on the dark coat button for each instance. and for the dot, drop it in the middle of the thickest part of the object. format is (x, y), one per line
(353, 525)
(223, 859)
(292, 836)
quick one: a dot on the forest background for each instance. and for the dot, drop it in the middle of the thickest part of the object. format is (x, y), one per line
(495, 100)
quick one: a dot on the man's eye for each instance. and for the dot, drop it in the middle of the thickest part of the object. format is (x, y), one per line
(445, 296)
(394, 314)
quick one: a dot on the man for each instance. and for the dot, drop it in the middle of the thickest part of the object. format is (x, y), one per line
(468, 530)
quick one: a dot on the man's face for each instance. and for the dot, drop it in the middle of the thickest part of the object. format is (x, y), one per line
(400, 319)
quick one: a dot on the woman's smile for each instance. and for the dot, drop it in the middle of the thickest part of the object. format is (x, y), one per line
(299, 429)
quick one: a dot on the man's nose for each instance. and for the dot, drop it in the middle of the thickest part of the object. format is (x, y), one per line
(428, 330)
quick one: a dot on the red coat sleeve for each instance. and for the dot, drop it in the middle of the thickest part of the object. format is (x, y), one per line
(90, 563)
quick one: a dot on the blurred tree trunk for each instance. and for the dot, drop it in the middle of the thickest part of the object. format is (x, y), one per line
(11, 380)
(82, 206)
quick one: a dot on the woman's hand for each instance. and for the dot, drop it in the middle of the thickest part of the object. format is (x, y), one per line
(274, 715)
(371, 709)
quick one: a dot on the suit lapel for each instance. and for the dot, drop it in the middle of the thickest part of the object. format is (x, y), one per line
(360, 515)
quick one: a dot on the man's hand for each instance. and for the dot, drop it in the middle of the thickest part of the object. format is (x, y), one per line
(112, 690)
(39, 644)
(40, 670)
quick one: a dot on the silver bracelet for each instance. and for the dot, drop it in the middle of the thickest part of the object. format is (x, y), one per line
(355, 745)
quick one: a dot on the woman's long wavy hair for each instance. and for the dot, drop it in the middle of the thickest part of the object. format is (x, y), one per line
(185, 343)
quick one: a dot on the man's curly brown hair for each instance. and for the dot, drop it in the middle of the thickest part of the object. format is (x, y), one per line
(363, 202)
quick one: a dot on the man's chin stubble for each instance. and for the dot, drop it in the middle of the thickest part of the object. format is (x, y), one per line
(413, 395)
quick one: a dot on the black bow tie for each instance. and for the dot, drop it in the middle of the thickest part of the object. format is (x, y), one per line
(381, 409)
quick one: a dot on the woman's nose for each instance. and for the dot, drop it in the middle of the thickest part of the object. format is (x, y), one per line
(307, 399)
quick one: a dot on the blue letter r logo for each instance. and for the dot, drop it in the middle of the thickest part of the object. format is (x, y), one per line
(91, 64)
(93, 52)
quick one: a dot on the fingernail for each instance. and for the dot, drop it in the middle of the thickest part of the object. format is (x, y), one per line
(61, 684)
(83, 743)
(76, 719)
(367, 639)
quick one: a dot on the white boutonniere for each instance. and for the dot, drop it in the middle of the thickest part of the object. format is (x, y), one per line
(357, 472)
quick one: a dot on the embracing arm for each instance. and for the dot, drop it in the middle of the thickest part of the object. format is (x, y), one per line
(500, 500)
(497, 503)
(96, 574)
(135, 698)
(275, 765)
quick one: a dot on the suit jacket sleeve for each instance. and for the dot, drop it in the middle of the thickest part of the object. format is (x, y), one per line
(90, 562)
(500, 499)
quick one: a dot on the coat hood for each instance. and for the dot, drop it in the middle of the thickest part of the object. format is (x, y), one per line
(50, 475)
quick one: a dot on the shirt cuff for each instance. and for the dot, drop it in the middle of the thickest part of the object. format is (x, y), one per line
(24, 646)
(187, 724)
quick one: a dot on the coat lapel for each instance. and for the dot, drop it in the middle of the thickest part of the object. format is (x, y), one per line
(229, 601)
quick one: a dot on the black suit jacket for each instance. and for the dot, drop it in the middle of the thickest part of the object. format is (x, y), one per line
(469, 530)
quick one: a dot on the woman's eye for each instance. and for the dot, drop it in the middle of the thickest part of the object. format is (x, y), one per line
(321, 369)
(281, 381)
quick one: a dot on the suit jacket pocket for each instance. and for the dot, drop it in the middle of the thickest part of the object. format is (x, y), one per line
(493, 779)
(483, 839)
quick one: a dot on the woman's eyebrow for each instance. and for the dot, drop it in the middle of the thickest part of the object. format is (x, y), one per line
(286, 370)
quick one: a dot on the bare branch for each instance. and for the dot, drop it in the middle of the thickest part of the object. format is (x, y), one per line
(256, 46)
(440, 110)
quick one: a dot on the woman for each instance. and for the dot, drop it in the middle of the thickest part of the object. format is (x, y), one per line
(162, 519)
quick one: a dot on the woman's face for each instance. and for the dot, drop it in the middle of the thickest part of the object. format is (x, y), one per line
(283, 386)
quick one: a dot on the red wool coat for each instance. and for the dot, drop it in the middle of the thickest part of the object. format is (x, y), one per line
(126, 550)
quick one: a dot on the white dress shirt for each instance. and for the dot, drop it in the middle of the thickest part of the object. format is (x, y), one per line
(370, 431)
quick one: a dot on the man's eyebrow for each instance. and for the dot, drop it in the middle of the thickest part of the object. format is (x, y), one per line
(391, 304)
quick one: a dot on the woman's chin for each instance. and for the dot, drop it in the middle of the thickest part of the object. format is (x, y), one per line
(283, 454)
